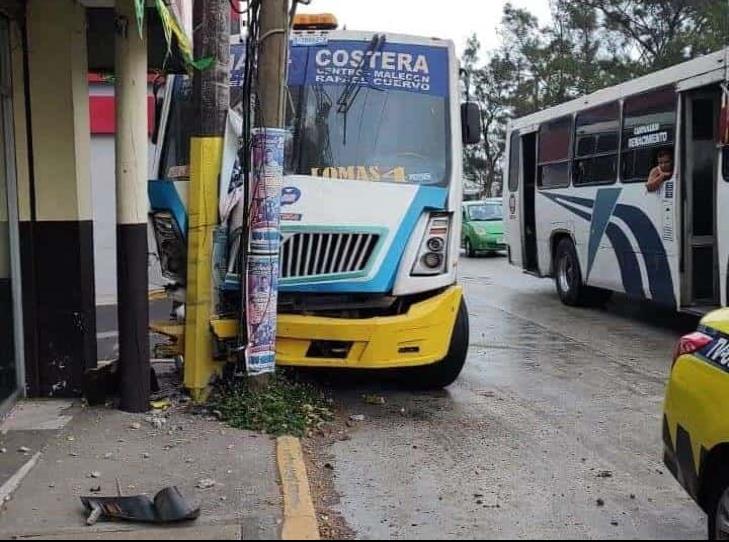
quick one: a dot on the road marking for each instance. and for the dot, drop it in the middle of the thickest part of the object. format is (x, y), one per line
(9, 487)
(299, 516)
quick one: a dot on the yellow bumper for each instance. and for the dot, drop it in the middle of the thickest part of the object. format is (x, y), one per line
(420, 337)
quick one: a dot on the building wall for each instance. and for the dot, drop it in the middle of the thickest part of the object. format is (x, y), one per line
(56, 227)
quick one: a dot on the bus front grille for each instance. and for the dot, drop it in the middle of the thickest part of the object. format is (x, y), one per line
(317, 254)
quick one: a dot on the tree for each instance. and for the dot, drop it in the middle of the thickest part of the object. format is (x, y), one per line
(591, 44)
(665, 32)
(488, 86)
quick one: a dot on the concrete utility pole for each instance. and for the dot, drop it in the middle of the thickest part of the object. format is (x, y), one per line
(267, 161)
(132, 206)
(211, 96)
(272, 63)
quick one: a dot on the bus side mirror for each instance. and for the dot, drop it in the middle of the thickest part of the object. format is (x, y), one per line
(471, 123)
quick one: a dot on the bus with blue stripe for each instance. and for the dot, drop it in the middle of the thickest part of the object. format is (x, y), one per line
(627, 190)
(369, 211)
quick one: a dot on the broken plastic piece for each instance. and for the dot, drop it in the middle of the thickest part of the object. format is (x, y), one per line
(168, 506)
(162, 404)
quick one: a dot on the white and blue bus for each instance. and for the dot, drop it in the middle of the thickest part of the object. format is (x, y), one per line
(370, 212)
(581, 207)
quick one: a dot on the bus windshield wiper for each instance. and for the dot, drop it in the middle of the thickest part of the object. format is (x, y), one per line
(358, 79)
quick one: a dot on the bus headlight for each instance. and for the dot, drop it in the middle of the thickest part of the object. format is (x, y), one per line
(431, 258)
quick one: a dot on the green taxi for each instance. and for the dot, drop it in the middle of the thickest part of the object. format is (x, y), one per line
(483, 227)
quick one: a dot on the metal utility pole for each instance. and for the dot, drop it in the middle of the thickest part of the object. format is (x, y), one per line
(131, 201)
(211, 98)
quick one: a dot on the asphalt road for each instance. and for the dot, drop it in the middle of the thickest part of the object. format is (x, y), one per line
(552, 431)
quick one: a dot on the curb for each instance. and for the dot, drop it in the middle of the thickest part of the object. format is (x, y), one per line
(9, 487)
(299, 522)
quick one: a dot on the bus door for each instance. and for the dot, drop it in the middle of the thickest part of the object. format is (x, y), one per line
(512, 201)
(529, 217)
(700, 172)
(723, 224)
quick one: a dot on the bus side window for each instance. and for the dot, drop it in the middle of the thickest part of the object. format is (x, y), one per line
(597, 136)
(649, 126)
(514, 156)
(554, 153)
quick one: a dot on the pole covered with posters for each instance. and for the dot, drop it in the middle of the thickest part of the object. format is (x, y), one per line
(266, 182)
(131, 196)
(211, 98)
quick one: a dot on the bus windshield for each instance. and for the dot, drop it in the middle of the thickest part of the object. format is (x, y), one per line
(486, 212)
(359, 114)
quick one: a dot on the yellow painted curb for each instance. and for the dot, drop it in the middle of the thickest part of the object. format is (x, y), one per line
(299, 521)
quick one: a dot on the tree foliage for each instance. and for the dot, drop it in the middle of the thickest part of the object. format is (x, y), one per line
(588, 45)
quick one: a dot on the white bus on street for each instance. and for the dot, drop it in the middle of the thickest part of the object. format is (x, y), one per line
(581, 208)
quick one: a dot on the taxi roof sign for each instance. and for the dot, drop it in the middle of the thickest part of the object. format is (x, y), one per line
(318, 21)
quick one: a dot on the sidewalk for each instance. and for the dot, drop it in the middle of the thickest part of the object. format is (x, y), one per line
(146, 456)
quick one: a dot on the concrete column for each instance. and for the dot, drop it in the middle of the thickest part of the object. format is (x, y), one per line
(132, 206)
(56, 228)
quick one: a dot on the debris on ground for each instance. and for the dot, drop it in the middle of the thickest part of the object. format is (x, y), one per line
(95, 474)
(24, 450)
(374, 399)
(604, 474)
(158, 422)
(168, 506)
(162, 404)
(282, 405)
(600, 502)
(206, 483)
(135, 426)
(357, 418)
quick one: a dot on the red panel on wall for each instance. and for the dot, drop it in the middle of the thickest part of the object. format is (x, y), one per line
(102, 113)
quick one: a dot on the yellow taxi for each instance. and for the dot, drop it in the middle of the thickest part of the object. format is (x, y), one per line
(696, 419)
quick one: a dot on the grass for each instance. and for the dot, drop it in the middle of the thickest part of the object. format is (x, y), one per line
(281, 406)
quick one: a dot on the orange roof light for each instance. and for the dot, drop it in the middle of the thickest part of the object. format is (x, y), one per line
(319, 21)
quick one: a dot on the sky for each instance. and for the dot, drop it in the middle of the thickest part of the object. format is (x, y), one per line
(435, 18)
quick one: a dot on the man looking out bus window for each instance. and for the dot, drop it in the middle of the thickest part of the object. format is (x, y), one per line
(662, 172)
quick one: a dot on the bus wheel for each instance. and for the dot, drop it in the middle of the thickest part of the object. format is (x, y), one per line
(445, 372)
(568, 277)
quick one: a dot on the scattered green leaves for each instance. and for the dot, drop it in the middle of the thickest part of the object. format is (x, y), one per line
(281, 406)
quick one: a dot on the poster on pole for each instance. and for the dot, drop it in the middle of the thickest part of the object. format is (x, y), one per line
(262, 265)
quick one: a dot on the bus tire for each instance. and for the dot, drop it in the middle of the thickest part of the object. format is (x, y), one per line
(568, 276)
(444, 372)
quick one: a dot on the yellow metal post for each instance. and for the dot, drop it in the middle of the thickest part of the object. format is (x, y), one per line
(205, 161)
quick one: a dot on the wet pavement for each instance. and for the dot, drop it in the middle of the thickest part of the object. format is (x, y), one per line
(552, 431)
